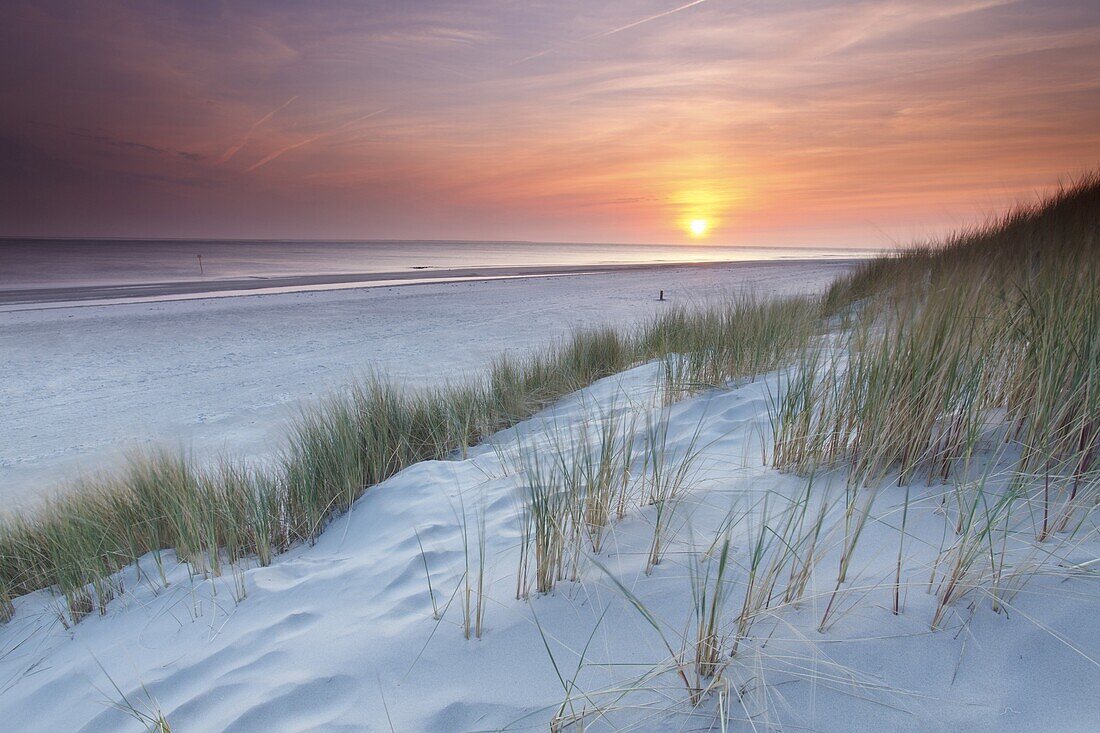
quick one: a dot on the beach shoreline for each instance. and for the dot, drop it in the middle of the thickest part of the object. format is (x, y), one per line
(36, 297)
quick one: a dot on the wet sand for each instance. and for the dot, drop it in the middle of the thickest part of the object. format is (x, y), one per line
(104, 294)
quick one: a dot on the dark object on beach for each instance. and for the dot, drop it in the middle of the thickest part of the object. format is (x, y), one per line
(201, 273)
(662, 296)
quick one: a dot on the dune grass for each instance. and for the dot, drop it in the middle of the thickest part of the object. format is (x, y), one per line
(995, 330)
(343, 445)
(974, 363)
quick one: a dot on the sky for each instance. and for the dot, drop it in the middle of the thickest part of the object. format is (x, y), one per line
(775, 123)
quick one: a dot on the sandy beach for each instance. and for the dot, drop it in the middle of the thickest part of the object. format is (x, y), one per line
(221, 376)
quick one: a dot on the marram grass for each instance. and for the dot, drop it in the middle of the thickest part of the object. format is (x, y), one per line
(341, 446)
(974, 363)
(995, 332)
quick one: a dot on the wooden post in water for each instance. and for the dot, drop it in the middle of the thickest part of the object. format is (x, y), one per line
(201, 273)
(662, 296)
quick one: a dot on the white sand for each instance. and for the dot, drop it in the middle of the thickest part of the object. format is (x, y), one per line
(81, 386)
(340, 637)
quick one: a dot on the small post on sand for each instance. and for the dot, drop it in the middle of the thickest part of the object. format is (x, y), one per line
(662, 296)
(201, 273)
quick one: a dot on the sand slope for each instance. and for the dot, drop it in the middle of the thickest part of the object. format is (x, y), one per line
(341, 636)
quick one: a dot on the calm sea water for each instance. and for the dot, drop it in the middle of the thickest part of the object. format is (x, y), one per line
(45, 263)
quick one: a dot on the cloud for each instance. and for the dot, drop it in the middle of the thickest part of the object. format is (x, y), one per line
(133, 145)
(792, 116)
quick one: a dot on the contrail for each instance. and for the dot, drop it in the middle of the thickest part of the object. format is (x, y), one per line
(233, 150)
(272, 156)
(613, 31)
(637, 23)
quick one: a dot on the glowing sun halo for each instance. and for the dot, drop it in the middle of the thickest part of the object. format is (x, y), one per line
(698, 227)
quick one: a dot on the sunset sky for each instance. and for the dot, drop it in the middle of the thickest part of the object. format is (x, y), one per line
(785, 122)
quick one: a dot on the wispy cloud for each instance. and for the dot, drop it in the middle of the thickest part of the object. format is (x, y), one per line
(134, 145)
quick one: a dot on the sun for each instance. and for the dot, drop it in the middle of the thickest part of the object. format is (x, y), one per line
(698, 227)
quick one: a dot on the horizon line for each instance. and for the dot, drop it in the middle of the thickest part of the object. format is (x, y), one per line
(371, 240)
